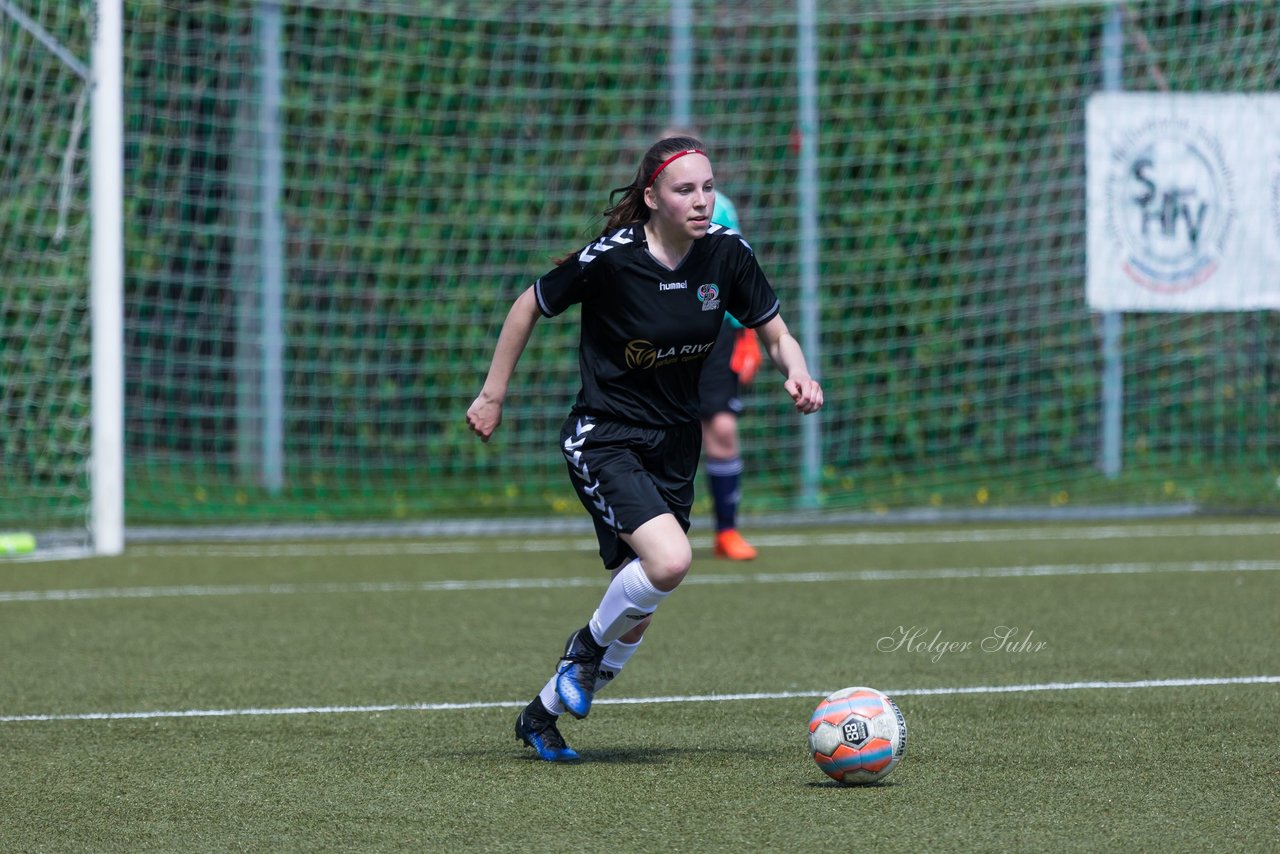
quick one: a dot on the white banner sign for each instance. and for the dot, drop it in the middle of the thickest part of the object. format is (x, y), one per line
(1183, 202)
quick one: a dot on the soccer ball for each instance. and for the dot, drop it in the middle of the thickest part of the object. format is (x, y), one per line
(857, 735)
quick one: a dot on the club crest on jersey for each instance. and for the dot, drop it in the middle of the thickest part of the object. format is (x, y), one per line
(709, 296)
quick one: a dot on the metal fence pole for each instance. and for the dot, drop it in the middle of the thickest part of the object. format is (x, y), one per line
(1112, 321)
(809, 199)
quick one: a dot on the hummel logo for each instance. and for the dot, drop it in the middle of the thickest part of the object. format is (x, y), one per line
(673, 286)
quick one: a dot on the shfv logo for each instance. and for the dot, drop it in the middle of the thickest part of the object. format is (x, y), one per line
(1171, 205)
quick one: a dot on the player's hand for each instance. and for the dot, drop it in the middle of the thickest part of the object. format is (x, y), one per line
(745, 360)
(806, 393)
(484, 415)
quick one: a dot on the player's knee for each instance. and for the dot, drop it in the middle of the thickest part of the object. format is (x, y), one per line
(663, 549)
(667, 569)
(720, 436)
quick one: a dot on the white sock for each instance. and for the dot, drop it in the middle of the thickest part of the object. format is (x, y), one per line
(550, 698)
(629, 598)
(615, 659)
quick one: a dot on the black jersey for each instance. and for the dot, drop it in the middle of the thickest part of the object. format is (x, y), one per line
(647, 329)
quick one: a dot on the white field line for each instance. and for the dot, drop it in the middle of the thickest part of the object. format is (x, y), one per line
(291, 589)
(918, 536)
(631, 701)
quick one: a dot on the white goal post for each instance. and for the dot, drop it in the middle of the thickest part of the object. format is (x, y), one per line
(106, 476)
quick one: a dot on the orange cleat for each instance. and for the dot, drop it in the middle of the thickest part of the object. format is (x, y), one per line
(729, 544)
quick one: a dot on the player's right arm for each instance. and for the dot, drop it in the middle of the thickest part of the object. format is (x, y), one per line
(485, 412)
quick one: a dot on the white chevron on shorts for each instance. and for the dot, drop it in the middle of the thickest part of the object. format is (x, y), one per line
(580, 435)
(573, 453)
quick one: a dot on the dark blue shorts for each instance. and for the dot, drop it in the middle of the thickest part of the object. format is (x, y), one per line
(718, 386)
(625, 475)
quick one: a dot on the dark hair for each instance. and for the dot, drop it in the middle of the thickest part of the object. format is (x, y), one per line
(631, 207)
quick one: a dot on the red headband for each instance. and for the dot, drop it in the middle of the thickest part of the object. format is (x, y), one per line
(668, 161)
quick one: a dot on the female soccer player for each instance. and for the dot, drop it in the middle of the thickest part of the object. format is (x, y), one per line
(654, 288)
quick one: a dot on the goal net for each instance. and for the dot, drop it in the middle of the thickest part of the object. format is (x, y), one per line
(331, 204)
(44, 272)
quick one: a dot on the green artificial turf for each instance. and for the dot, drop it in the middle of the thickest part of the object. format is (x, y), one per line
(360, 696)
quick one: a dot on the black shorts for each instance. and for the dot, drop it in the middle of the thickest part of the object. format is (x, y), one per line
(718, 387)
(626, 475)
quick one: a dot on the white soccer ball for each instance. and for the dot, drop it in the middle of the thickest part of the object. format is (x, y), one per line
(857, 735)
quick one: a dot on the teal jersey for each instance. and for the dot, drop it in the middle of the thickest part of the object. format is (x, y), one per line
(727, 215)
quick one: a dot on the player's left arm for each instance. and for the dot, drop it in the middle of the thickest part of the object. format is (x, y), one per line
(785, 352)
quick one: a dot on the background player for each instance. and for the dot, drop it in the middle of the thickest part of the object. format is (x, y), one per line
(733, 362)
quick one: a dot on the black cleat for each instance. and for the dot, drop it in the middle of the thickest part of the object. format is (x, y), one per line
(536, 727)
(576, 676)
